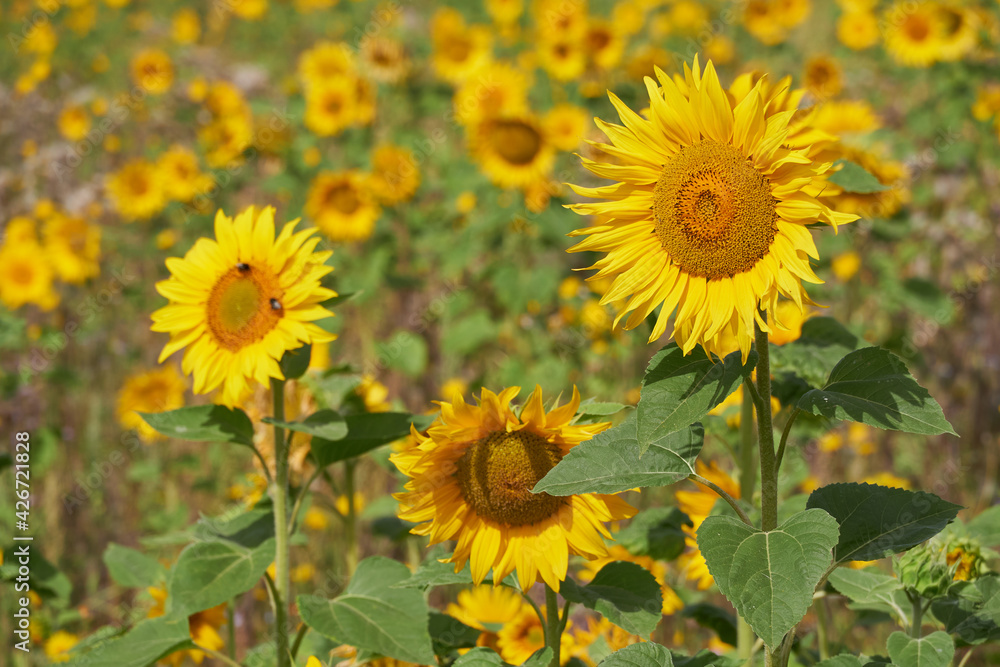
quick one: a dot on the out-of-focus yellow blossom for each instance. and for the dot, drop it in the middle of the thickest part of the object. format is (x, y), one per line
(181, 174)
(341, 504)
(25, 276)
(374, 394)
(612, 636)
(452, 387)
(858, 30)
(846, 265)
(58, 646)
(249, 10)
(459, 50)
(158, 390)
(73, 247)
(395, 175)
(465, 202)
(823, 77)
(341, 205)
(153, 71)
(185, 27)
(137, 190)
(166, 239)
(73, 122)
(616, 552)
(887, 479)
(316, 519)
(249, 493)
(300, 574)
(204, 628)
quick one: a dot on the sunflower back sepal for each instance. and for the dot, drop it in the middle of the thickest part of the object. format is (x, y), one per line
(679, 390)
(203, 423)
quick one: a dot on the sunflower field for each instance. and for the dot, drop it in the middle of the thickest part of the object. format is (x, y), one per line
(488, 333)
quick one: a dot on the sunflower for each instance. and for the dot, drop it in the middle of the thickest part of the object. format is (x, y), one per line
(249, 10)
(185, 26)
(519, 639)
(203, 626)
(846, 265)
(565, 125)
(158, 390)
(505, 12)
(563, 58)
(395, 175)
(472, 476)
(890, 173)
(502, 90)
(613, 637)
(384, 59)
(709, 215)
(25, 276)
(152, 71)
(913, 33)
(341, 206)
(331, 106)
(58, 646)
(325, 61)
(822, 77)
(137, 190)
(73, 247)
(239, 301)
(698, 506)
(857, 30)
(182, 176)
(604, 44)
(960, 31)
(513, 150)
(73, 122)
(460, 50)
(487, 609)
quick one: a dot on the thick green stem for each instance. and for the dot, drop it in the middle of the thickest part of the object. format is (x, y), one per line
(765, 437)
(279, 496)
(748, 481)
(350, 520)
(231, 628)
(917, 621)
(553, 634)
(822, 637)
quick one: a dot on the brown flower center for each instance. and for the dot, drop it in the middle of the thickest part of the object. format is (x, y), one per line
(714, 213)
(243, 306)
(496, 474)
(515, 141)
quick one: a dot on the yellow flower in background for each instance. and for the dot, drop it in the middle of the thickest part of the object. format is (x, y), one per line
(564, 58)
(331, 107)
(251, 493)
(913, 33)
(791, 319)
(239, 301)
(838, 117)
(565, 125)
(342, 206)
(341, 503)
(384, 59)
(349, 656)
(185, 26)
(502, 89)
(303, 573)
(487, 504)
(373, 393)
(137, 190)
(326, 61)
(960, 32)
(858, 30)
(315, 519)
(603, 43)
(709, 215)
(73, 122)
(452, 388)
(513, 151)
(823, 77)
(487, 609)
(26, 276)
(846, 265)
(887, 479)
(58, 646)
(525, 634)
(182, 177)
(153, 71)
(698, 506)
(204, 627)
(613, 637)
(73, 247)
(890, 173)
(460, 50)
(249, 10)
(616, 552)
(395, 174)
(159, 390)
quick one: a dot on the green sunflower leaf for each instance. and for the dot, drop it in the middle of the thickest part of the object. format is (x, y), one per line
(371, 614)
(871, 589)
(365, 432)
(854, 178)
(203, 423)
(132, 568)
(842, 660)
(971, 611)
(769, 576)
(657, 532)
(678, 390)
(613, 461)
(624, 593)
(326, 424)
(142, 646)
(874, 387)
(294, 363)
(644, 654)
(479, 657)
(935, 650)
(449, 633)
(812, 356)
(877, 521)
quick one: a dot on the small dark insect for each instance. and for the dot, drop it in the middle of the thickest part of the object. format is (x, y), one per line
(275, 304)
(242, 267)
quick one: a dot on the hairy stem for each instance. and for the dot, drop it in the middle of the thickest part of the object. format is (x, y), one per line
(279, 496)
(748, 481)
(722, 494)
(553, 634)
(765, 436)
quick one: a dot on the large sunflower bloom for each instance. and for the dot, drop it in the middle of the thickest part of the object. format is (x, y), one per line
(239, 301)
(709, 215)
(472, 476)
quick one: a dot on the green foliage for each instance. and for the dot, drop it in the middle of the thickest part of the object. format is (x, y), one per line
(679, 390)
(294, 363)
(769, 576)
(132, 568)
(204, 423)
(229, 558)
(714, 618)
(365, 432)
(842, 660)
(479, 657)
(876, 521)
(971, 611)
(325, 424)
(614, 461)
(448, 634)
(645, 654)
(873, 386)
(823, 343)
(871, 589)
(624, 593)
(656, 532)
(935, 650)
(142, 646)
(852, 177)
(373, 614)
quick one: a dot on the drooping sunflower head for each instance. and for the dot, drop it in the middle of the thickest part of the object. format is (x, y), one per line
(513, 150)
(709, 213)
(239, 301)
(471, 481)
